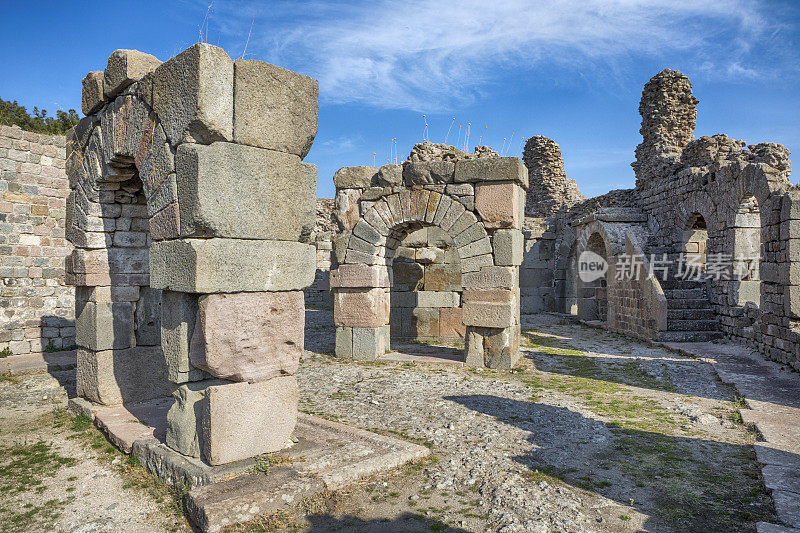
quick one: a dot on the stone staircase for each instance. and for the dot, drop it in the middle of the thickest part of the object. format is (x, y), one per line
(690, 317)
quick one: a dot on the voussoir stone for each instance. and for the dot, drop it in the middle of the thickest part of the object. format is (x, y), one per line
(244, 192)
(124, 68)
(231, 265)
(249, 336)
(193, 95)
(274, 108)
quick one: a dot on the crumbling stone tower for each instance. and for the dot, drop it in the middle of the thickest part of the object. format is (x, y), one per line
(669, 115)
(550, 189)
(189, 212)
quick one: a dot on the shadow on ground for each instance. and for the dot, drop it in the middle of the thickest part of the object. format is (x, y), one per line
(405, 523)
(690, 484)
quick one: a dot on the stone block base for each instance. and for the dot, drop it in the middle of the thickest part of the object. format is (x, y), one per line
(130, 375)
(493, 347)
(363, 344)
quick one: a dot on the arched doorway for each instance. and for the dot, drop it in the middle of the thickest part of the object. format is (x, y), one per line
(693, 247)
(593, 293)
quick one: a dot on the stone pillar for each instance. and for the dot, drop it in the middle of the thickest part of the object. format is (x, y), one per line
(218, 146)
(361, 310)
(550, 189)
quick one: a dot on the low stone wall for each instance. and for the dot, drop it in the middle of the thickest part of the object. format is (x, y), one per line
(37, 307)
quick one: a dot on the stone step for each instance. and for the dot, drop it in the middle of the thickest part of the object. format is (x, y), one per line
(693, 294)
(688, 303)
(692, 325)
(691, 313)
(689, 336)
(673, 283)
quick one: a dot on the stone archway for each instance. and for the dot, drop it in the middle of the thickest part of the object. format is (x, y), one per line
(189, 211)
(488, 238)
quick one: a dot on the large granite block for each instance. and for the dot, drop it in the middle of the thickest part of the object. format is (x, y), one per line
(242, 420)
(123, 376)
(193, 95)
(92, 96)
(231, 265)
(231, 190)
(178, 318)
(361, 308)
(491, 169)
(124, 68)
(104, 325)
(274, 108)
(249, 336)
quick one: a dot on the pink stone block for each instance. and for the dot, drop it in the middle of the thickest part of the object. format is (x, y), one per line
(249, 336)
(359, 275)
(359, 308)
(451, 324)
(166, 224)
(498, 204)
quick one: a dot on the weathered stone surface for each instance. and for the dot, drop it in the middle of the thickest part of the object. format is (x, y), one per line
(184, 418)
(354, 177)
(451, 324)
(355, 275)
(508, 247)
(274, 108)
(491, 277)
(369, 343)
(230, 190)
(390, 175)
(92, 96)
(247, 419)
(498, 204)
(488, 315)
(438, 299)
(249, 336)
(473, 348)
(124, 68)
(492, 169)
(231, 265)
(147, 317)
(363, 308)
(344, 342)
(104, 325)
(193, 95)
(502, 348)
(122, 376)
(346, 208)
(178, 317)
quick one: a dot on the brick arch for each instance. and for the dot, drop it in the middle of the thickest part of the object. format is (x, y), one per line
(396, 212)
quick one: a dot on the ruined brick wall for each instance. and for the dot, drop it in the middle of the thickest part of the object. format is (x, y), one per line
(37, 308)
(550, 189)
(319, 293)
(728, 183)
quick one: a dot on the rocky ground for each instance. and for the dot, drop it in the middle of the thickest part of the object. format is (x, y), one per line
(593, 432)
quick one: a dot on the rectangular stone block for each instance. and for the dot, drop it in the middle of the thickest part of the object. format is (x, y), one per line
(369, 343)
(92, 96)
(184, 418)
(499, 296)
(508, 247)
(501, 348)
(360, 177)
(498, 204)
(451, 325)
(231, 265)
(243, 192)
(355, 275)
(147, 317)
(124, 68)
(193, 95)
(344, 342)
(473, 348)
(492, 169)
(492, 277)
(249, 336)
(273, 107)
(178, 318)
(488, 315)
(475, 263)
(242, 420)
(361, 308)
(438, 299)
(122, 376)
(425, 322)
(104, 325)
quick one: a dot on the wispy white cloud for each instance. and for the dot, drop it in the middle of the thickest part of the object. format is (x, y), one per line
(424, 54)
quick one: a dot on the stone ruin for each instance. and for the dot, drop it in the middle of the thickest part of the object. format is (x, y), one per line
(190, 211)
(430, 249)
(695, 200)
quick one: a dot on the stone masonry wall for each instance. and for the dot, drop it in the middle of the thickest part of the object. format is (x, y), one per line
(36, 307)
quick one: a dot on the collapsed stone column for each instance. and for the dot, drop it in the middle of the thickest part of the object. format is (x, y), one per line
(217, 146)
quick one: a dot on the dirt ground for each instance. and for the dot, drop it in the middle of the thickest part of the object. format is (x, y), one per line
(592, 432)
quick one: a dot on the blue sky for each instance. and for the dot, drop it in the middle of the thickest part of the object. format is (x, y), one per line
(572, 70)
